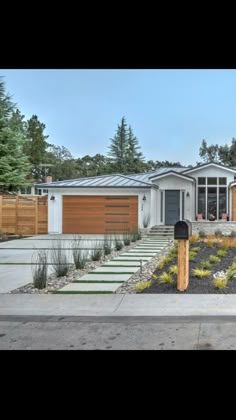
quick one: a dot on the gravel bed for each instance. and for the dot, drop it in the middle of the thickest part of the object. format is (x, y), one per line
(54, 283)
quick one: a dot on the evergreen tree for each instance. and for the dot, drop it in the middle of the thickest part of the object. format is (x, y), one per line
(124, 151)
(118, 148)
(14, 166)
(134, 159)
(36, 146)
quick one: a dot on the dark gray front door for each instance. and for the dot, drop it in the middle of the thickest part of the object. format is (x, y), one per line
(172, 207)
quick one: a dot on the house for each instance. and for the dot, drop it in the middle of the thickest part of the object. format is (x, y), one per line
(118, 203)
(35, 189)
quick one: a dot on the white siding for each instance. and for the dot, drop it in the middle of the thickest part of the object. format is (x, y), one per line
(172, 182)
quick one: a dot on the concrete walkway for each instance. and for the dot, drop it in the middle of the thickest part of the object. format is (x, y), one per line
(118, 305)
(109, 277)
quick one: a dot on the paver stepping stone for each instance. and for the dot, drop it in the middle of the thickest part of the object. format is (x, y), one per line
(121, 264)
(131, 258)
(107, 277)
(115, 270)
(90, 287)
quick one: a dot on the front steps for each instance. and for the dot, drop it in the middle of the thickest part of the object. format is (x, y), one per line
(161, 231)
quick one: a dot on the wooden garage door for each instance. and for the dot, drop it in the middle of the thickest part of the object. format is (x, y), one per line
(99, 214)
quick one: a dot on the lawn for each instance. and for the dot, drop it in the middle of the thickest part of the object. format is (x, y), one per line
(202, 255)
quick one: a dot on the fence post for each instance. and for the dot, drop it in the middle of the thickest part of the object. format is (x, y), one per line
(17, 203)
(0, 213)
(36, 215)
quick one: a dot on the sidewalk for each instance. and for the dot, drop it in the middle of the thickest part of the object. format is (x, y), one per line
(118, 305)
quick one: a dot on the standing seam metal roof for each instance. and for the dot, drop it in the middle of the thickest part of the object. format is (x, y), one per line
(116, 180)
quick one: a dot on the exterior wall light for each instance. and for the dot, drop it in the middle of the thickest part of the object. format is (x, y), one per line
(144, 198)
(52, 197)
(187, 195)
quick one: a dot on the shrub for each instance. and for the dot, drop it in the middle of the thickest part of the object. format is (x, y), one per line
(218, 233)
(163, 262)
(198, 272)
(205, 264)
(195, 249)
(126, 239)
(79, 256)
(192, 256)
(134, 236)
(222, 252)
(201, 234)
(214, 259)
(107, 246)
(174, 251)
(146, 220)
(193, 239)
(118, 244)
(165, 278)
(173, 269)
(142, 285)
(96, 253)
(220, 282)
(60, 262)
(139, 235)
(230, 274)
(39, 269)
(232, 234)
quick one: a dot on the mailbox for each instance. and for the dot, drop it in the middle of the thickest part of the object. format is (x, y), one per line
(183, 229)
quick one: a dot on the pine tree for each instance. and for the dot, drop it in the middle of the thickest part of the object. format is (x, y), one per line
(14, 166)
(134, 159)
(36, 146)
(118, 148)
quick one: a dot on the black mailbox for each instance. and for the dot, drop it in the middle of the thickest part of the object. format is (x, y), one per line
(183, 229)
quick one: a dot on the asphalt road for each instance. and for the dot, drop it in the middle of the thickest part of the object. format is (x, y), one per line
(117, 333)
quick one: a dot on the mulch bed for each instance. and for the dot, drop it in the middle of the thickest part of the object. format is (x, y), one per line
(11, 237)
(197, 285)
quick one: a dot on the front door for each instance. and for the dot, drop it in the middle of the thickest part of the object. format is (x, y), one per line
(172, 207)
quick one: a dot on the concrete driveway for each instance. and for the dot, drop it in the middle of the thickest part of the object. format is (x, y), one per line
(13, 275)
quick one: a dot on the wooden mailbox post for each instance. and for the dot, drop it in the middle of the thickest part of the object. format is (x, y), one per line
(182, 232)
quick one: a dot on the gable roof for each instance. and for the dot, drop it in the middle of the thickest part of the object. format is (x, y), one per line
(174, 173)
(205, 165)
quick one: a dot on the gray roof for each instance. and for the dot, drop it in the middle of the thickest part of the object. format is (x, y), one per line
(104, 181)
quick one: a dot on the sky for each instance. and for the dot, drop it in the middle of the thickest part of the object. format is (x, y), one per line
(170, 111)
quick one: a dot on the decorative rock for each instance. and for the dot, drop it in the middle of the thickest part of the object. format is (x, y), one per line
(219, 274)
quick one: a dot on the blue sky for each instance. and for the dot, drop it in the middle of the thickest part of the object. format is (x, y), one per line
(170, 111)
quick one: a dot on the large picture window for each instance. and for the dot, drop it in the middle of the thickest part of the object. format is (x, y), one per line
(212, 198)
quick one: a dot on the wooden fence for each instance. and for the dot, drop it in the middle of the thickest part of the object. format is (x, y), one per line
(24, 215)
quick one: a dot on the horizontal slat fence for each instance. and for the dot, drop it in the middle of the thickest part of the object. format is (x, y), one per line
(21, 215)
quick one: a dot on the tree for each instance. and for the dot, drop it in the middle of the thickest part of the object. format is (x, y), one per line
(118, 148)
(14, 166)
(209, 153)
(222, 154)
(36, 146)
(61, 164)
(134, 159)
(152, 166)
(124, 151)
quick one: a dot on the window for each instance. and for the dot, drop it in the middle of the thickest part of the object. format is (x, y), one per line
(222, 181)
(201, 181)
(202, 201)
(222, 201)
(212, 203)
(212, 181)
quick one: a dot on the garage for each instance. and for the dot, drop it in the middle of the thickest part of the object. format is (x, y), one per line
(100, 214)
